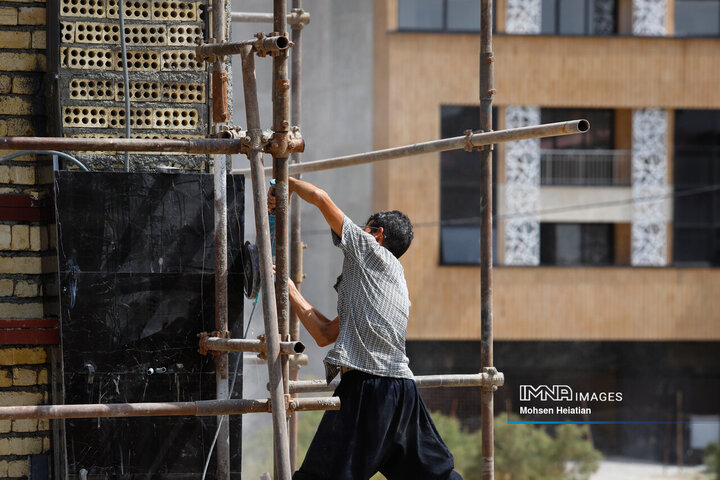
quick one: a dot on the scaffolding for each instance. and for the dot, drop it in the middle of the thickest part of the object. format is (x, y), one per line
(284, 142)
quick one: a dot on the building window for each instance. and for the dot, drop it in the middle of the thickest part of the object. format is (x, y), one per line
(579, 17)
(697, 18)
(577, 243)
(440, 15)
(460, 191)
(697, 172)
(587, 159)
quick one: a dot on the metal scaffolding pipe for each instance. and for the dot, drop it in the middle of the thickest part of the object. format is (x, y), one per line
(275, 43)
(487, 91)
(272, 338)
(242, 345)
(454, 143)
(194, 145)
(422, 381)
(199, 409)
(296, 246)
(295, 18)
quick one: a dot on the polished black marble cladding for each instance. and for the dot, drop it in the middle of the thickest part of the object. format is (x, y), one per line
(136, 265)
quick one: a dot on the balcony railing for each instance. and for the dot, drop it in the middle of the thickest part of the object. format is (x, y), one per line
(585, 167)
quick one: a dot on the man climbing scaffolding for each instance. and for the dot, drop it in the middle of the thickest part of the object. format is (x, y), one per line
(383, 424)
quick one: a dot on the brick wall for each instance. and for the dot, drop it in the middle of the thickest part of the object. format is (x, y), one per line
(28, 327)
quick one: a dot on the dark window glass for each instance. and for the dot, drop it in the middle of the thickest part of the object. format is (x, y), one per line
(420, 14)
(460, 191)
(440, 15)
(697, 18)
(577, 243)
(579, 17)
(697, 176)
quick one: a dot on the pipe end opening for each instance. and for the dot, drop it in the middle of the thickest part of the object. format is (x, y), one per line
(299, 347)
(282, 42)
(583, 125)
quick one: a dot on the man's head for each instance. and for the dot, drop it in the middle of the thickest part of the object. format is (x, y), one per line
(394, 230)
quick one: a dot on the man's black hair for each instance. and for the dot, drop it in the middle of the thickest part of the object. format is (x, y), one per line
(397, 230)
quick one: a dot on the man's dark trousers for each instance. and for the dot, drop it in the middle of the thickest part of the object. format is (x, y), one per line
(382, 425)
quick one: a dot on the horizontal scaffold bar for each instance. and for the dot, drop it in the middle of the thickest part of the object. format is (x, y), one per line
(198, 409)
(191, 145)
(422, 381)
(245, 345)
(454, 143)
(298, 17)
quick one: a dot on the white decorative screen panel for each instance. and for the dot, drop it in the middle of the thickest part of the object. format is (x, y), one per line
(649, 187)
(649, 17)
(523, 16)
(522, 190)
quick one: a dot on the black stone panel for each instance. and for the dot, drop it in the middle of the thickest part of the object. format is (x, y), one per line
(136, 257)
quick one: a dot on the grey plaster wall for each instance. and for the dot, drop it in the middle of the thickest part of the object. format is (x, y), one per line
(337, 120)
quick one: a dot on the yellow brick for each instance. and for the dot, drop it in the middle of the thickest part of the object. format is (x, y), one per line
(43, 424)
(35, 234)
(23, 356)
(5, 426)
(17, 468)
(21, 445)
(31, 16)
(14, 105)
(6, 287)
(19, 127)
(20, 237)
(25, 85)
(22, 175)
(26, 289)
(4, 174)
(21, 310)
(23, 377)
(22, 62)
(39, 40)
(15, 39)
(21, 265)
(8, 16)
(42, 378)
(5, 235)
(3, 468)
(46, 444)
(25, 425)
(5, 84)
(5, 378)
(20, 398)
(3, 128)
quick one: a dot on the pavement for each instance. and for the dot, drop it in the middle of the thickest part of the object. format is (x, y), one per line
(620, 469)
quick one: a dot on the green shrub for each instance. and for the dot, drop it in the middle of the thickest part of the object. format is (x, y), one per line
(712, 459)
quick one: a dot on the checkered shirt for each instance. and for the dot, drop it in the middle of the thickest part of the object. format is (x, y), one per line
(373, 307)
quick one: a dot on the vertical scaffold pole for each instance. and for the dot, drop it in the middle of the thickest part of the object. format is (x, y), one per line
(272, 338)
(296, 247)
(486, 316)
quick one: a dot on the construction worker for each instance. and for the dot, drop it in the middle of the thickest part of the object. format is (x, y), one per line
(383, 424)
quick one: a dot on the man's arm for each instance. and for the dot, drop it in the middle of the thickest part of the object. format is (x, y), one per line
(316, 196)
(322, 329)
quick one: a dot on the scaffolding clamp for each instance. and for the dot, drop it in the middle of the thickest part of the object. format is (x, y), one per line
(495, 379)
(274, 44)
(203, 336)
(469, 147)
(282, 144)
(298, 18)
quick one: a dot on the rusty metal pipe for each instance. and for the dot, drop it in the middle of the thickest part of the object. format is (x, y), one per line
(296, 246)
(487, 91)
(163, 409)
(195, 145)
(222, 388)
(296, 18)
(252, 112)
(270, 44)
(243, 345)
(422, 381)
(434, 146)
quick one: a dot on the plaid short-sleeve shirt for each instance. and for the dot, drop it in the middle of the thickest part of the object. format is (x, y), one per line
(373, 308)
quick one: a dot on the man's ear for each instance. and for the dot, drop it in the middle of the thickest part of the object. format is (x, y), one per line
(379, 235)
